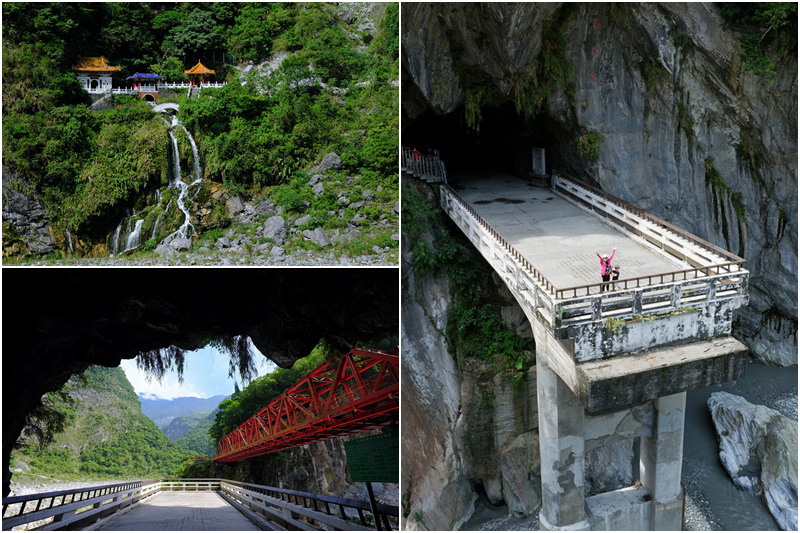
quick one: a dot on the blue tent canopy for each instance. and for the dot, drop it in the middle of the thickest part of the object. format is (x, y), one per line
(146, 76)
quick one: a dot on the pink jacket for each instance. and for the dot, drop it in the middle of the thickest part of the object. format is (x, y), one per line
(603, 263)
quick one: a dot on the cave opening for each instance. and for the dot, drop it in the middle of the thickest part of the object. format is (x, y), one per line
(504, 142)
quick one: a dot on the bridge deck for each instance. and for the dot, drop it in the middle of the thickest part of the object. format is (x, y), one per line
(182, 511)
(558, 238)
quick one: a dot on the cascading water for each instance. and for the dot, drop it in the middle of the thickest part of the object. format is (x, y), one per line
(127, 236)
(69, 241)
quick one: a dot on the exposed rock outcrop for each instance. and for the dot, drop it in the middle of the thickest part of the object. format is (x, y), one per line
(25, 222)
(758, 448)
(684, 130)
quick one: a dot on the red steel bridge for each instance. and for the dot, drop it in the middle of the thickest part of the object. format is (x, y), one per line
(357, 393)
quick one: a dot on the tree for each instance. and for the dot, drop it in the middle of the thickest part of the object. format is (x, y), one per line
(171, 69)
(198, 33)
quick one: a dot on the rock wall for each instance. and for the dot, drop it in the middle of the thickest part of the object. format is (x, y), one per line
(26, 228)
(686, 132)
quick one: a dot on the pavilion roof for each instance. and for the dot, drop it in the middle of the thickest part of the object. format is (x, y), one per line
(93, 64)
(145, 76)
(199, 68)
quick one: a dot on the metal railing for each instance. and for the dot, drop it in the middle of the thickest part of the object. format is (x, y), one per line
(284, 506)
(424, 166)
(70, 509)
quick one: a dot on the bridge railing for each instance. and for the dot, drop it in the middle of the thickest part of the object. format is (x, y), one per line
(75, 508)
(287, 506)
(670, 238)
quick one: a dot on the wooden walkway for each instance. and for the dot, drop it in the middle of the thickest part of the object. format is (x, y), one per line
(182, 511)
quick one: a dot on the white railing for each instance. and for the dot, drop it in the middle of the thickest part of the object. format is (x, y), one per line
(152, 88)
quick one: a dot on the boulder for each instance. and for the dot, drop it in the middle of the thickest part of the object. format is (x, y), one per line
(181, 245)
(369, 195)
(274, 228)
(302, 221)
(222, 242)
(758, 448)
(316, 178)
(277, 251)
(330, 162)
(317, 236)
(235, 204)
(318, 188)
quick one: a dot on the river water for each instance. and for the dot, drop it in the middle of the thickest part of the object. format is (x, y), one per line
(713, 502)
(729, 508)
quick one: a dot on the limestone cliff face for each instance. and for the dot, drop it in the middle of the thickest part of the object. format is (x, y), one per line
(687, 133)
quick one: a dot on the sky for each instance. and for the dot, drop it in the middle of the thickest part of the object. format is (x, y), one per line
(205, 374)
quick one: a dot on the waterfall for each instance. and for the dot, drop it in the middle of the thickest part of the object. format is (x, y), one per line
(127, 236)
(69, 241)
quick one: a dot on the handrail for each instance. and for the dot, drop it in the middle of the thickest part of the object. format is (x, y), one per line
(548, 285)
(262, 498)
(83, 505)
(694, 239)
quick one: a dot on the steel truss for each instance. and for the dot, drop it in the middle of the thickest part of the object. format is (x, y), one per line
(357, 393)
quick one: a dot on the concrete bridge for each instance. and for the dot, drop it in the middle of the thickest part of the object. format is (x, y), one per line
(611, 365)
(193, 505)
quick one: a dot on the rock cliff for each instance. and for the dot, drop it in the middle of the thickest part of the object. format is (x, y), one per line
(649, 101)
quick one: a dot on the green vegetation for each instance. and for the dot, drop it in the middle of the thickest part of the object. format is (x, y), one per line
(245, 403)
(653, 73)
(590, 143)
(686, 122)
(105, 434)
(474, 325)
(197, 438)
(769, 31)
(89, 167)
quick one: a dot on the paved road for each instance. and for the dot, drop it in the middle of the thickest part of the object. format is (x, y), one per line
(558, 238)
(182, 511)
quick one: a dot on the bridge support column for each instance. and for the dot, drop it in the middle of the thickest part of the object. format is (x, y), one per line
(661, 457)
(561, 447)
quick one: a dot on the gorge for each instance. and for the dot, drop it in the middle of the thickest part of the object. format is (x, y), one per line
(655, 104)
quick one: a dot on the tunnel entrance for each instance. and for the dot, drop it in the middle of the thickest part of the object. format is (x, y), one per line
(504, 143)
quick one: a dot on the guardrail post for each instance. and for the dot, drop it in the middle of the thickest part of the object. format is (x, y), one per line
(677, 291)
(637, 303)
(712, 290)
(597, 310)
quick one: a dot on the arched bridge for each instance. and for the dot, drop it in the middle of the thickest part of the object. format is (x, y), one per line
(614, 362)
(357, 393)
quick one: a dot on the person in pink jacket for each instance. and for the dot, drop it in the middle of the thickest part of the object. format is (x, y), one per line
(605, 268)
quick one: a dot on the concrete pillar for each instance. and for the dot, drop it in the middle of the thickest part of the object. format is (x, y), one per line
(561, 449)
(661, 457)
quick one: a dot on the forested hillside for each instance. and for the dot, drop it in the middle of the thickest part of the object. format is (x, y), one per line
(105, 434)
(304, 81)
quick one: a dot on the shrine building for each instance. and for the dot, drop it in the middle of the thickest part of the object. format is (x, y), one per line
(94, 73)
(145, 85)
(199, 71)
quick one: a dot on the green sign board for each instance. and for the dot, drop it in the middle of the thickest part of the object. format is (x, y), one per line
(375, 458)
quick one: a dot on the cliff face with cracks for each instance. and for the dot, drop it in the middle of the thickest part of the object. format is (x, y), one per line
(685, 131)
(58, 322)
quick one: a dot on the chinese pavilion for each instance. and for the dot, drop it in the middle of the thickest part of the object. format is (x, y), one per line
(199, 71)
(149, 91)
(94, 73)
